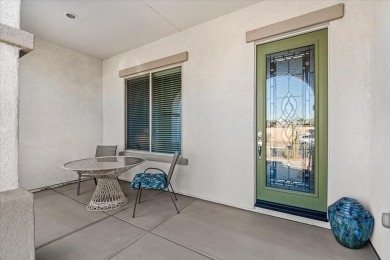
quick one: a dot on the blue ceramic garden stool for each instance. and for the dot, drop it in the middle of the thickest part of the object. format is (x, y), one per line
(351, 223)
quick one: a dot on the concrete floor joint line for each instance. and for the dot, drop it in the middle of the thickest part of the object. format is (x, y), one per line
(151, 232)
(74, 231)
(127, 246)
(182, 245)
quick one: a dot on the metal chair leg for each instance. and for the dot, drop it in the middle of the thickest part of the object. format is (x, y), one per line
(78, 185)
(173, 191)
(135, 203)
(139, 199)
(174, 202)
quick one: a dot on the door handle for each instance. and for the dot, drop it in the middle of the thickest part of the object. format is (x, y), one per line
(259, 148)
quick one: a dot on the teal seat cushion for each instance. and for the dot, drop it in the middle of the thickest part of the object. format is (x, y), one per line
(149, 181)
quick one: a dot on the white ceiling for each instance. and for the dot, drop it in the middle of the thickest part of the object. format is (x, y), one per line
(109, 27)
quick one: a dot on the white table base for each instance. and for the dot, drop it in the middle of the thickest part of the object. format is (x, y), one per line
(108, 194)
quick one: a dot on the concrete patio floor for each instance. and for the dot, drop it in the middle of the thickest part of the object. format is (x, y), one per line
(64, 229)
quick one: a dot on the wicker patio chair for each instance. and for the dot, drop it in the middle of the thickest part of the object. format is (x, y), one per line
(155, 181)
(101, 150)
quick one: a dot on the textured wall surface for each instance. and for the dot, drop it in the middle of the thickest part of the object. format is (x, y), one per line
(379, 126)
(61, 107)
(218, 101)
(16, 225)
(60, 113)
(10, 13)
(16, 205)
(9, 98)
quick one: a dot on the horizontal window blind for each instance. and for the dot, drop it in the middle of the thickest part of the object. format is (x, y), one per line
(166, 111)
(138, 92)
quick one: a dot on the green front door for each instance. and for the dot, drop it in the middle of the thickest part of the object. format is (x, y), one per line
(291, 136)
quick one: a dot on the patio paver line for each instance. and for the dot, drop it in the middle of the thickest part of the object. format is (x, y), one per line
(185, 246)
(108, 215)
(123, 208)
(175, 242)
(114, 254)
(67, 234)
(74, 199)
(172, 215)
(161, 222)
(74, 231)
(92, 223)
(151, 231)
(152, 196)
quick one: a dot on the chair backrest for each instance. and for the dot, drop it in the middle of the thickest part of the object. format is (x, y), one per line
(105, 150)
(173, 164)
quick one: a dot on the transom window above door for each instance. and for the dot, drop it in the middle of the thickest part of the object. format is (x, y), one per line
(153, 112)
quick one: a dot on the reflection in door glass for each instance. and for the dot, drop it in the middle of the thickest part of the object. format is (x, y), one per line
(290, 120)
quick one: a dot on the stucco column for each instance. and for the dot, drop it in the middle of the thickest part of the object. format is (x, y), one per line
(9, 98)
(16, 205)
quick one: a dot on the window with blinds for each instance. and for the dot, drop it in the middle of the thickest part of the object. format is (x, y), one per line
(138, 113)
(154, 102)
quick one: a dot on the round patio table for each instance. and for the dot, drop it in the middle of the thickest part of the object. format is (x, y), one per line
(108, 194)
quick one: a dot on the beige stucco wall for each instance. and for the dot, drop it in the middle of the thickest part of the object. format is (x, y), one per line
(17, 225)
(61, 107)
(60, 112)
(218, 101)
(16, 205)
(9, 100)
(379, 180)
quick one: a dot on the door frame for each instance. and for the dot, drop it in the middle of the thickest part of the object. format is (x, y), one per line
(275, 212)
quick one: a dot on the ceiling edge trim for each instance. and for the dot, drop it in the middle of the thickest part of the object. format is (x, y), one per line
(310, 19)
(170, 60)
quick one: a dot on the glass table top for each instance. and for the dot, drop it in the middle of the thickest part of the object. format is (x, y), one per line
(104, 163)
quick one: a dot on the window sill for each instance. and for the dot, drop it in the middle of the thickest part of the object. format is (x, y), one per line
(157, 157)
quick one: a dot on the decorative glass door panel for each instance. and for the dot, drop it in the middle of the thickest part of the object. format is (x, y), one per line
(291, 117)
